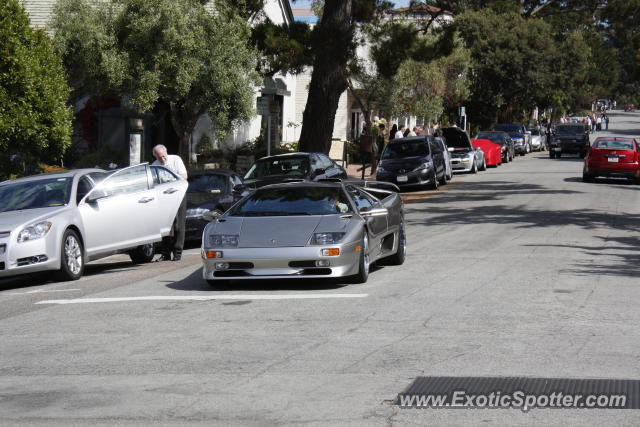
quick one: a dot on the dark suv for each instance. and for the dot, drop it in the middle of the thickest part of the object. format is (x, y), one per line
(569, 138)
(415, 160)
(519, 134)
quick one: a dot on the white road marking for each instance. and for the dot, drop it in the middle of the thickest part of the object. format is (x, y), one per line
(203, 298)
(39, 291)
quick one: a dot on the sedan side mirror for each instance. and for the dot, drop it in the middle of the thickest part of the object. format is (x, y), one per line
(375, 212)
(96, 195)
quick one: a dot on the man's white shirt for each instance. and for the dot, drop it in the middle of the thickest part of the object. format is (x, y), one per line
(174, 164)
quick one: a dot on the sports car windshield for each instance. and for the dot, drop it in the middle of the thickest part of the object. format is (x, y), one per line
(493, 137)
(399, 150)
(293, 202)
(42, 193)
(569, 130)
(290, 166)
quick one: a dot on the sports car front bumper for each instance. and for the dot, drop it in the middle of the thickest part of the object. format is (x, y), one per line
(281, 263)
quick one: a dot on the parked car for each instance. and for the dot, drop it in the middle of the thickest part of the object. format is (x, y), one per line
(442, 144)
(630, 107)
(614, 157)
(464, 156)
(210, 191)
(492, 151)
(569, 138)
(537, 139)
(519, 134)
(411, 161)
(305, 230)
(505, 141)
(292, 166)
(62, 221)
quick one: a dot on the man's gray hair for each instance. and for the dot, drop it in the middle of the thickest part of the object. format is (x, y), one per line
(158, 147)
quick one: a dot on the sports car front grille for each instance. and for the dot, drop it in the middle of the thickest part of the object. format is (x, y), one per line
(302, 264)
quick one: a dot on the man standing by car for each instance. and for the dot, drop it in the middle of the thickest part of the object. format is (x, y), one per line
(175, 241)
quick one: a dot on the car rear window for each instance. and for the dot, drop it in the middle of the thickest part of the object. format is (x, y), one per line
(613, 145)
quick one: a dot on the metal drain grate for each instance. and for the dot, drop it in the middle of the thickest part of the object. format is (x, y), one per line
(477, 386)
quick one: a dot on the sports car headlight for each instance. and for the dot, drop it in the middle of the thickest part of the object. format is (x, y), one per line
(196, 212)
(34, 231)
(326, 238)
(223, 240)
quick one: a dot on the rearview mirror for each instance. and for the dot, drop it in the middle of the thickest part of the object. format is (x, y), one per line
(210, 216)
(375, 212)
(96, 195)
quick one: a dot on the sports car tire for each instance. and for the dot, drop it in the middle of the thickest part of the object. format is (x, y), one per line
(474, 169)
(401, 253)
(72, 257)
(363, 264)
(142, 254)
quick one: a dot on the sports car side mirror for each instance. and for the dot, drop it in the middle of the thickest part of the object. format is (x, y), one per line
(210, 216)
(96, 195)
(375, 212)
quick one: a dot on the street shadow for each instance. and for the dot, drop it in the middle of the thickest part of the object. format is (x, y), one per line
(624, 250)
(615, 181)
(195, 283)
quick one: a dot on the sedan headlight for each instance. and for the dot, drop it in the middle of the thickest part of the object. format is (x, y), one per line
(425, 165)
(34, 231)
(223, 240)
(196, 212)
(326, 238)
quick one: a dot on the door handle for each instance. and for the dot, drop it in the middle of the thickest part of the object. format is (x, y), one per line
(145, 200)
(170, 191)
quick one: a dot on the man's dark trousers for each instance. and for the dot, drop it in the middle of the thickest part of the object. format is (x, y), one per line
(175, 241)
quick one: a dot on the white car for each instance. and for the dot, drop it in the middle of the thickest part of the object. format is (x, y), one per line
(61, 221)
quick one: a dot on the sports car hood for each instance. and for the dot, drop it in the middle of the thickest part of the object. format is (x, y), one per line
(10, 221)
(270, 232)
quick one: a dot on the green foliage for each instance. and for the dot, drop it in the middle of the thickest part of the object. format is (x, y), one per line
(285, 48)
(103, 157)
(419, 89)
(177, 51)
(204, 147)
(35, 122)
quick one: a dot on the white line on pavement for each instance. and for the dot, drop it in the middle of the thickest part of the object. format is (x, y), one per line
(39, 291)
(202, 298)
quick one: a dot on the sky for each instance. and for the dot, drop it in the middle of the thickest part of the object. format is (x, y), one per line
(307, 3)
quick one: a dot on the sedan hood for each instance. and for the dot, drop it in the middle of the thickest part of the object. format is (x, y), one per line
(271, 232)
(10, 221)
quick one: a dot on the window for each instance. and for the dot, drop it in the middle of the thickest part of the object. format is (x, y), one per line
(325, 162)
(363, 203)
(84, 186)
(294, 201)
(126, 181)
(205, 183)
(162, 175)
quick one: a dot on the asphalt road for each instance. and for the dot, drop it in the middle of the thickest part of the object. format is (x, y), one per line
(519, 271)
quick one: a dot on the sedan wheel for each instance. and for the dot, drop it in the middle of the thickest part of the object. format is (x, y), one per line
(142, 254)
(363, 265)
(72, 257)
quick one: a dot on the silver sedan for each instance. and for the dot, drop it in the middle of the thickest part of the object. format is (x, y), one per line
(305, 230)
(61, 221)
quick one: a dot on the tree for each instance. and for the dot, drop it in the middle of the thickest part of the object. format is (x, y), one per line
(35, 121)
(177, 51)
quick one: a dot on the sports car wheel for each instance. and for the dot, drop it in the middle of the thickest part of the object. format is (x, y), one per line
(401, 253)
(72, 257)
(142, 254)
(363, 265)
(474, 168)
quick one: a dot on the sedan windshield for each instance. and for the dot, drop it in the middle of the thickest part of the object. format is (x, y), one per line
(398, 150)
(569, 130)
(41, 193)
(294, 201)
(509, 128)
(296, 167)
(207, 184)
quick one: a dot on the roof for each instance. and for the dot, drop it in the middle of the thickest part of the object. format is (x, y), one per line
(68, 174)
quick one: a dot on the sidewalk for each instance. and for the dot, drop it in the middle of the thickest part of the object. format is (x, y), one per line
(353, 172)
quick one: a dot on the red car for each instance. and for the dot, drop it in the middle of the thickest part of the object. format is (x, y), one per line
(492, 151)
(612, 156)
(629, 107)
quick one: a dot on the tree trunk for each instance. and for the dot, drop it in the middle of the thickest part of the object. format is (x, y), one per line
(334, 35)
(183, 123)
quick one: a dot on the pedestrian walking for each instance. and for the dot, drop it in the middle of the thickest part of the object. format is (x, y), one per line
(606, 122)
(393, 131)
(174, 243)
